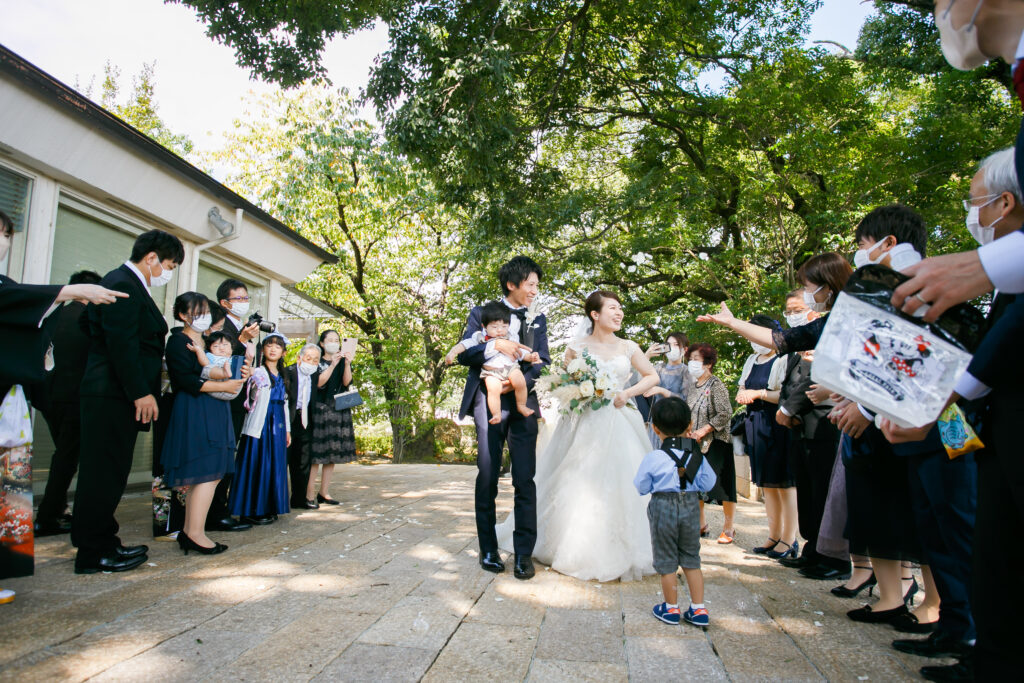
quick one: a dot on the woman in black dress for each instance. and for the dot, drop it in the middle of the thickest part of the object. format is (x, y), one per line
(334, 441)
(200, 443)
(768, 443)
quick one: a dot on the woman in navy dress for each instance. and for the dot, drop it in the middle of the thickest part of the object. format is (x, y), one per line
(199, 444)
(768, 444)
(259, 492)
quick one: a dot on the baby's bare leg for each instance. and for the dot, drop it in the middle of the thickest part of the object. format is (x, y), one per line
(493, 385)
(518, 381)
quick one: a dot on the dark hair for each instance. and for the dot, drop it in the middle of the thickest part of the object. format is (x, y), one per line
(6, 224)
(217, 336)
(224, 288)
(680, 338)
(830, 270)
(595, 302)
(190, 304)
(517, 270)
(85, 277)
(216, 313)
(276, 339)
(493, 312)
(671, 416)
(796, 294)
(706, 351)
(323, 335)
(165, 245)
(898, 220)
(762, 320)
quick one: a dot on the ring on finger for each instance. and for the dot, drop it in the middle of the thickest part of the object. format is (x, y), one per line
(918, 297)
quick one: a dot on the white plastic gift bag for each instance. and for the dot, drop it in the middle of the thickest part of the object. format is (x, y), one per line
(891, 363)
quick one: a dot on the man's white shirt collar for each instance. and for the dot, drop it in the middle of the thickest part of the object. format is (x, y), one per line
(234, 319)
(508, 303)
(142, 278)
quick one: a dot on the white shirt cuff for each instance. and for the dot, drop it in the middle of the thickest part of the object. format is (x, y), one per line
(785, 412)
(1003, 261)
(864, 412)
(970, 388)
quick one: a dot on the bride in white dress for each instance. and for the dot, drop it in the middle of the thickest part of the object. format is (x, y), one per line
(591, 524)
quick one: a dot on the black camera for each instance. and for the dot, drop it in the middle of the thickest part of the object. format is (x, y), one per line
(265, 325)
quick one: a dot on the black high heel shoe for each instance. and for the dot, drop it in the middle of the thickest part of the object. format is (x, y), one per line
(842, 591)
(762, 549)
(186, 544)
(869, 616)
(790, 551)
(908, 597)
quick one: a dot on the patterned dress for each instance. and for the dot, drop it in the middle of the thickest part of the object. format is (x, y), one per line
(334, 440)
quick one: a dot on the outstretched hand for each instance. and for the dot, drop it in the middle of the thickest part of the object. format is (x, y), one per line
(723, 317)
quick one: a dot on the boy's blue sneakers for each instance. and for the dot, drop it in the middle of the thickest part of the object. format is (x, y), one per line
(670, 615)
(697, 617)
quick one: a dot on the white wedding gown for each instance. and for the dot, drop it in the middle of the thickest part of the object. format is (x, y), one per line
(591, 523)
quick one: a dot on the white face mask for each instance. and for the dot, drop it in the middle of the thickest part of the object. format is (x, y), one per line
(760, 350)
(331, 347)
(240, 309)
(5, 246)
(902, 256)
(696, 368)
(307, 368)
(960, 45)
(201, 323)
(863, 257)
(982, 233)
(162, 279)
(797, 319)
(816, 306)
(673, 354)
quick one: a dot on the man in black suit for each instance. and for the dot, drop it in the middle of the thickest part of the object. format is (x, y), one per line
(233, 297)
(61, 410)
(118, 395)
(519, 280)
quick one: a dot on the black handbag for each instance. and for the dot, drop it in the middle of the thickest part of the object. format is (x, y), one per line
(347, 400)
(737, 426)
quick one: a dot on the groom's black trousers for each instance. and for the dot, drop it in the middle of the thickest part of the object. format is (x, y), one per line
(521, 434)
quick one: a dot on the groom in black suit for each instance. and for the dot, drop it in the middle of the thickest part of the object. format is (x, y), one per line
(519, 279)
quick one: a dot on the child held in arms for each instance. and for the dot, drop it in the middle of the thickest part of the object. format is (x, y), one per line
(495, 318)
(674, 477)
(218, 363)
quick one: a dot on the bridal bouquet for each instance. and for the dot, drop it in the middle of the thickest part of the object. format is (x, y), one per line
(579, 385)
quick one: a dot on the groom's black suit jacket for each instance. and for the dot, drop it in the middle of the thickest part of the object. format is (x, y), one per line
(474, 357)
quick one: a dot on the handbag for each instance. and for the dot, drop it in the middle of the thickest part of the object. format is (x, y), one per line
(347, 400)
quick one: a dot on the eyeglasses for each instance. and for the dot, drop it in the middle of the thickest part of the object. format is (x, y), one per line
(239, 298)
(969, 202)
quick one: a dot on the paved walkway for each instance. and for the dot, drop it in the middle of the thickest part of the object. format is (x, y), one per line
(387, 587)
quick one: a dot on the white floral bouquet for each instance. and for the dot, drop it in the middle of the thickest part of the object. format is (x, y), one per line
(579, 385)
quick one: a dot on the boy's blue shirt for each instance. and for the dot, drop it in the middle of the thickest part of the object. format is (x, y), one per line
(657, 472)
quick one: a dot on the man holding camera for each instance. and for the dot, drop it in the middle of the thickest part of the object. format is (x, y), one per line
(233, 297)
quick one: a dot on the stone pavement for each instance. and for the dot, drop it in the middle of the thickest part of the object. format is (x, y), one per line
(387, 587)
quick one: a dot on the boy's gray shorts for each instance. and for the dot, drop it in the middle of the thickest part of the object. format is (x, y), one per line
(675, 530)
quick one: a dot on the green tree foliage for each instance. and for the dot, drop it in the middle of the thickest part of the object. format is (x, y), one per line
(401, 279)
(140, 108)
(680, 152)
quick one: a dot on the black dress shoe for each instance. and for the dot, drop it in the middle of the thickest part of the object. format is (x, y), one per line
(910, 624)
(51, 528)
(870, 616)
(795, 562)
(823, 573)
(111, 562)
(524, 567)
(228, 524)
(961, 671)
(326, 501)
(260, 520)
(935, 645)
(126, 552)
(492, 563)
(311, 505)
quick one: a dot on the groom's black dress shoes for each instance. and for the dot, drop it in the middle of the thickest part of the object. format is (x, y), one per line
(111, 562)
(492, 563)
(524, 567)
(127, 552)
